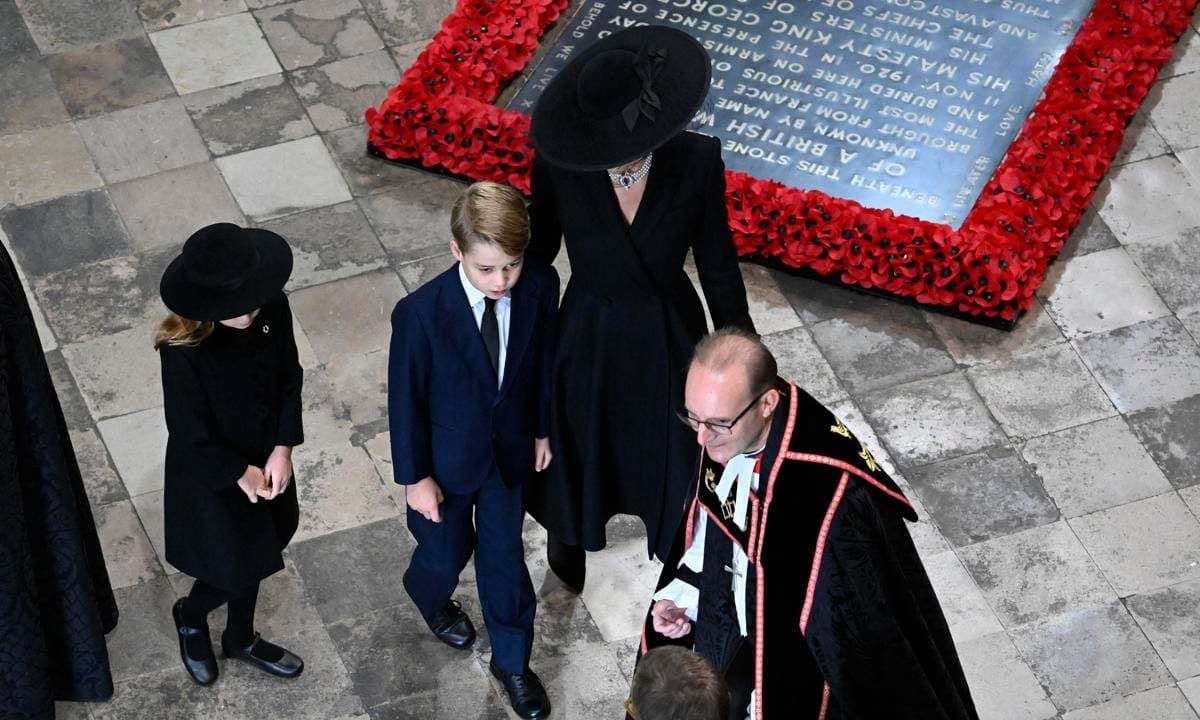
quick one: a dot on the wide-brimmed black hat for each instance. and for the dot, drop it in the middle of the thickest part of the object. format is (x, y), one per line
(226, 271)
(621, 98)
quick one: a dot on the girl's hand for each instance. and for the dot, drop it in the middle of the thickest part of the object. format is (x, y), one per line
(278, 472)
(541, 454)
(424, 496)
(252, 482)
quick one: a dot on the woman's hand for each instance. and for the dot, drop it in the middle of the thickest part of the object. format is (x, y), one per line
(278, 472)
(424, 496)
(252, 482)
(541, 454)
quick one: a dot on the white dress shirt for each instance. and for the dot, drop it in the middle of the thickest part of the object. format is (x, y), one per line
(476, 297)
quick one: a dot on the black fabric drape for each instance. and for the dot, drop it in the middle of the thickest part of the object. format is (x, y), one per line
(56, 602)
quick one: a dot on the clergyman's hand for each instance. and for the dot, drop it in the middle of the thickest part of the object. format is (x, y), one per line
(670, 620)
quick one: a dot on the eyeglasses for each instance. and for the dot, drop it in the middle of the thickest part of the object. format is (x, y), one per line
(717, 428)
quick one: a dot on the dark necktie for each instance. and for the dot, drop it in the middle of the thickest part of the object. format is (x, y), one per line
(490, 329)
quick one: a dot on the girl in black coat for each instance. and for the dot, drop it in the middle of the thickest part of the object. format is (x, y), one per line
(631, 194)
(231, 396)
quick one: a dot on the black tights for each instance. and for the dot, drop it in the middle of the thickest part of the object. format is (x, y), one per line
(204, 598)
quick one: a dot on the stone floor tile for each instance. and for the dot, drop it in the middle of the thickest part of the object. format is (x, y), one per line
(339, 489)
(128, 554)
(100, 478)
(1169, 619)
(72, 710)
(563, 621)
(61, 25)
(58, 234)
(870, 358)
(406, 55)
(768, 307)
(336, 94)
(16, 44)
(118, 374)
(398, 21)
(326, 422)
(930, 420)
(149, 507)
(970, 343)
(220, 115)
(926, 536)
(355, 571)
(1145, 365)
(1142, 141)
(1175, 115)
(1191, 689)
(75, 410)
(145, 639)
(1090, 235)
(852, 417)
(311, 32)
(44, 163)
(30, 100)
(1103, 291)
(816, 301)
(981, 496)
(1148, 199)
(416, 273)
(1191, 497)
(1187, 55)
(95, 299)
(283, 179)
(1171, 265)
(349, 316)
(1164, 703)
(158, 217)
(110, 77)
(1002, 685)
(1090, 655)
(433, 13)
(801, 362)
(1041, 391)
(1143, 545)
(138, 445)
(1035, 574)
(413, 222)
(215, 52)
(360, 386)
(476, 700)
(365, 173)
(620, 581)
(328, 244)
(142, 140)
(1191, 163)
(586, 683)
(391, 654)
(164, 695)
(966, 611)
(161, 14)
(1094, 467)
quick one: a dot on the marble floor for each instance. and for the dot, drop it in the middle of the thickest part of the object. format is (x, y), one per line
(1053, 466)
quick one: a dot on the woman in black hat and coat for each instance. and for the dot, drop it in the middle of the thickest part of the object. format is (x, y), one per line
(617, 177)
(231, 395)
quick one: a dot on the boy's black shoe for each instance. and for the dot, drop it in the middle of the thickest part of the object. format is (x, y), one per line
(569, 562)
(525, 693)
(452, 626)
(265, 656)
(195, 648)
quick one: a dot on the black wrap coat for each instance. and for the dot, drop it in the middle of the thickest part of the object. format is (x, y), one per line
(228, 402)
(628, 323)
(56, 602)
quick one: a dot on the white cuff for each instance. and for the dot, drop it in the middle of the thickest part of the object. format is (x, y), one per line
(684, 595)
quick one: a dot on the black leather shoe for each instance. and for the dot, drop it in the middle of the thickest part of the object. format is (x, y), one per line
(525, 693)
(266, 656)
(452, 626)
(195, 648)
(569, 563)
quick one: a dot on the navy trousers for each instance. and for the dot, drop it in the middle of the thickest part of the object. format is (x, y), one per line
(487, 523)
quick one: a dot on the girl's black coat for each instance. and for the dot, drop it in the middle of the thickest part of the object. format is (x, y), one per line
(627, 326)
(228, 402)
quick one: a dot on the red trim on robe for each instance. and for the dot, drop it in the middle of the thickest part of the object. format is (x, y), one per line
(824, 702)
(818, 554)
(841, 465)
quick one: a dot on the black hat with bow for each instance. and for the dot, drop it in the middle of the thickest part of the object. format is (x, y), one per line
(226, 271)
(621, 98)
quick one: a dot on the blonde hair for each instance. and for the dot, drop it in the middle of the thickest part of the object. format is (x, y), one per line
(176, 330)
(490, 212)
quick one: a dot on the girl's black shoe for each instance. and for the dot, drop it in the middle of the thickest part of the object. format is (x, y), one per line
(266, 656)
(195, 648)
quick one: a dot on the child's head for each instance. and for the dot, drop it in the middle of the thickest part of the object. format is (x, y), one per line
(491, 229)
(674, 683)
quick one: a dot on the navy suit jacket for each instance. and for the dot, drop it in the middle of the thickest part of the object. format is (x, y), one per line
(448, 418)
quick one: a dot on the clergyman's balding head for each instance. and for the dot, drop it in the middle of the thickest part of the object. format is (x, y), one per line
(732, 347)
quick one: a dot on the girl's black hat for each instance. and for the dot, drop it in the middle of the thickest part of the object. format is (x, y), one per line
(621, 98)
(226, 271)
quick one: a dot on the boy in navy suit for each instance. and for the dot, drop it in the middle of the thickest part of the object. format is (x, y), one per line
(469, 409)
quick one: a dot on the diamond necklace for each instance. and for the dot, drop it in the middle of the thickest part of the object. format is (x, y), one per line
(627, 179)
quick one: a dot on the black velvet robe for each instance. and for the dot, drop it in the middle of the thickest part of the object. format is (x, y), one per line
(843, 620)
(56, 602)
(629, 320)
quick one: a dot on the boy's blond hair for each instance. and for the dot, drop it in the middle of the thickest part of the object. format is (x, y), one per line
(490, 212)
